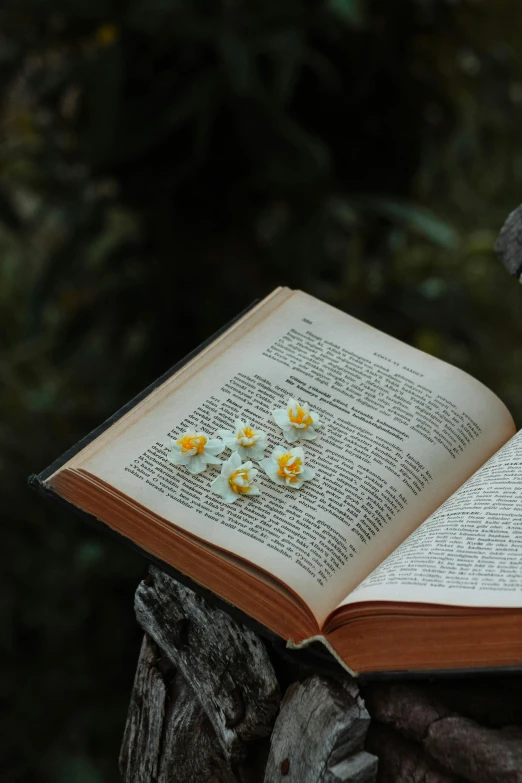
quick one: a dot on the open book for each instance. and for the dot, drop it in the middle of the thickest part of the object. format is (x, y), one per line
(403, 553)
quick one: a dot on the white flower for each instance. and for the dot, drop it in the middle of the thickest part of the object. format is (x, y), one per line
(195, 450)
(249, 443)
(297, 421)
(235, 479)
(286, 467)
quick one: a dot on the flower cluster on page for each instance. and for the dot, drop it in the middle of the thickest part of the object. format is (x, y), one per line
(196, 451)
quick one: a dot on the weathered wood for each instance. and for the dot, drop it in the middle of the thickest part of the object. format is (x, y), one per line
(418, 735)
(140, 752)
(319, 735)
(508, 246)
(225, 664)
(477, 753)
(168, 737)
(406, 707)
(404, 761)
(206, 695)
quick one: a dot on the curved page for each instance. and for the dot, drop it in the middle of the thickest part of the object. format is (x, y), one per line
(469, 552)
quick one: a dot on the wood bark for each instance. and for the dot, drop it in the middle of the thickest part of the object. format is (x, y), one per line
(206, 697)
(319, 735)
(225, 664)
(205, 700)
(168, 737)
(420, 734)
(403, 761)
(508, 246)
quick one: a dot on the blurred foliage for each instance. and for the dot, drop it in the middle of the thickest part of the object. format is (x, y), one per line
(163, 163)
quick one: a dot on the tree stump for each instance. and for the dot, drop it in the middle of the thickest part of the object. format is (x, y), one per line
(206, 705)
(215, 703)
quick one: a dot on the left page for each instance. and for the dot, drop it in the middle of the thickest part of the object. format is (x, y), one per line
(400, 432)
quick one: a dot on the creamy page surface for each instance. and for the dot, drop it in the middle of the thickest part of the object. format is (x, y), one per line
(401, 431)
(469, 552)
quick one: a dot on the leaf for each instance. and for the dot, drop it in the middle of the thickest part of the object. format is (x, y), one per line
(422, 221)
(351, 12)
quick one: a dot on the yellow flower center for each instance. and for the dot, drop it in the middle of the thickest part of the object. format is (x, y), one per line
(247, 432)
(190, 442)
(300, 416)
(286, 471)
(238, 488)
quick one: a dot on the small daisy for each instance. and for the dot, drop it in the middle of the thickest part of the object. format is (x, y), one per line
(195, 450)
(286, 467)
(297, 421)
(235, 479)
(249, 443)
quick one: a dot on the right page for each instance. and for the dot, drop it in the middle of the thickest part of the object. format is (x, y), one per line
(469, 552)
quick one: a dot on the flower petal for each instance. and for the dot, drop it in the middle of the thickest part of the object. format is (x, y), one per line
(271, 467)
(309, 434)
(291, 434)
(298, 452)
(211, 460)
(316, 421)
(226, 434)
(221, 486)
(257, 452)
(254, 491)
(243, 453)
(307, 474)
(233, 445)
(232, 464)
(177, 458)
(280, 417)
(214, 447)
(197, 464)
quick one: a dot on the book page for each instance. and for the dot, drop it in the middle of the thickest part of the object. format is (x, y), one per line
(469, 552)
(401, 431)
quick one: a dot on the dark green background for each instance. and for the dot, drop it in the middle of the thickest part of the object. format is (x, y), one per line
(165, 162)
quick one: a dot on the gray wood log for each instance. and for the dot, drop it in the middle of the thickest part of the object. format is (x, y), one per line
(418, 734)
(403, 761)
(225, 663)
(508, 246)
(319, 735)
(168, 737)
(477, 753)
